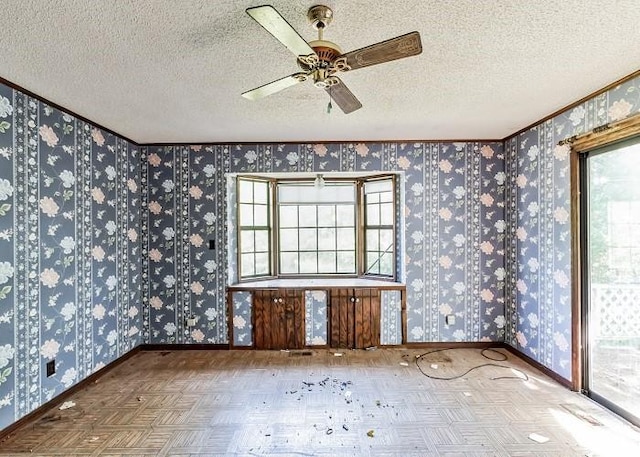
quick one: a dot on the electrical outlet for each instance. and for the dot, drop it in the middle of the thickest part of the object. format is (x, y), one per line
(450, 319)
(191, 321)
(212, 244)
(51, 368)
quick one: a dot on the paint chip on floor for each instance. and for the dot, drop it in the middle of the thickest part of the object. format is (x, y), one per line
(538, 438)
(67, 405)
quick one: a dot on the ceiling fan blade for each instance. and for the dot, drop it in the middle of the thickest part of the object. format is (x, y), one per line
(269, 18)
(385, 51)
(275, 86)
(345, 99)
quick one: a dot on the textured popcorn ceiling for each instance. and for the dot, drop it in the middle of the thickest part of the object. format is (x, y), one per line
(173, 71)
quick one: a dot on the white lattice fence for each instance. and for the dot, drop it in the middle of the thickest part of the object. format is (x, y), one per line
(616, 309)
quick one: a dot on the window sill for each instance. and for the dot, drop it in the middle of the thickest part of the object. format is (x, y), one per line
(316, 283)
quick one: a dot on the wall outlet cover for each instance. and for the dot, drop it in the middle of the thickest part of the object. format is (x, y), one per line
(450, 319)
(191, 321)
(51, 368)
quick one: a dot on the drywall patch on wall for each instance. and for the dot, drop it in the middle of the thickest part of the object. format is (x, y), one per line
(539, 296)
(69, 251)
(454, 230)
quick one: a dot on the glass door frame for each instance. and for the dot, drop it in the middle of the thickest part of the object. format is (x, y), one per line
(584, 279)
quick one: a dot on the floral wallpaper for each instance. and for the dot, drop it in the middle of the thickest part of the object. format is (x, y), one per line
(70, 257)
(186, 211)
(242, 322)
(538, 301)
(390, 317)
(454, 233)
(315, 305)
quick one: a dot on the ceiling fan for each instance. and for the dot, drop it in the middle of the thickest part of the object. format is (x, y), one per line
(322, 60)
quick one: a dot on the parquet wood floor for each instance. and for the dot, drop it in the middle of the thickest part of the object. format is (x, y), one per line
(365, 403)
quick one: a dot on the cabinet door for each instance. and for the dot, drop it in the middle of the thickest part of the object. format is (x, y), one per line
(342, 319)
(354, 318)
(279, 319)
(367, 317)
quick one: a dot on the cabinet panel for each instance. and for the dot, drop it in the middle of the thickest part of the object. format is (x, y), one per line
(278, 319)
(355, 318)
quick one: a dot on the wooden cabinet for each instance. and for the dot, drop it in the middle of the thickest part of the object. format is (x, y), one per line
(278, 319)
(354, 318)
(341, 313)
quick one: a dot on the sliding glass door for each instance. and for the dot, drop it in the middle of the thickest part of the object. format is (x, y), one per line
(610, 199)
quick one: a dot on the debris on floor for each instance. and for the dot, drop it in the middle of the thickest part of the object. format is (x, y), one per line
(51, 418)
(370, 433)
(404, 364)
(337, 354)
(67, 405)
(538, 438)
(434, 366)
(581, 414)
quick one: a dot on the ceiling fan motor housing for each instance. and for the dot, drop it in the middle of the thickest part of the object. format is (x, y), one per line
(320, 16)
(326, 50)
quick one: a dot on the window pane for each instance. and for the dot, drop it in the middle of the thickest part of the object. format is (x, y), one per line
(288, 239)
(372, 199)
(247, 243)
(289, 262)
(307, 193)
(386, 214)
(326, 216)
(346, 262)
(384, 185)
(308, 240)
(345, 215)
(386, 264)
(307, 216)
(288, 216)
(346, 239)
(326, 239)
(248, 266)
(262, 264)
(246, 215)
(373, 215)
(245, 191)
(373, 265)
(261, 192)
(373, 243)
(308, 262)
(386, 240)
(262, 241)
(261, 216)
(326, 262)
(386, 197)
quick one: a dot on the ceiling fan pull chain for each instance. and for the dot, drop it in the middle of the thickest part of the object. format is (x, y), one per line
(329, 106)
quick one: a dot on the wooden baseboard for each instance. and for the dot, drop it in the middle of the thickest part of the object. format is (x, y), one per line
(4, 433)
(454, 345)
(184, 347)
(538, 366)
